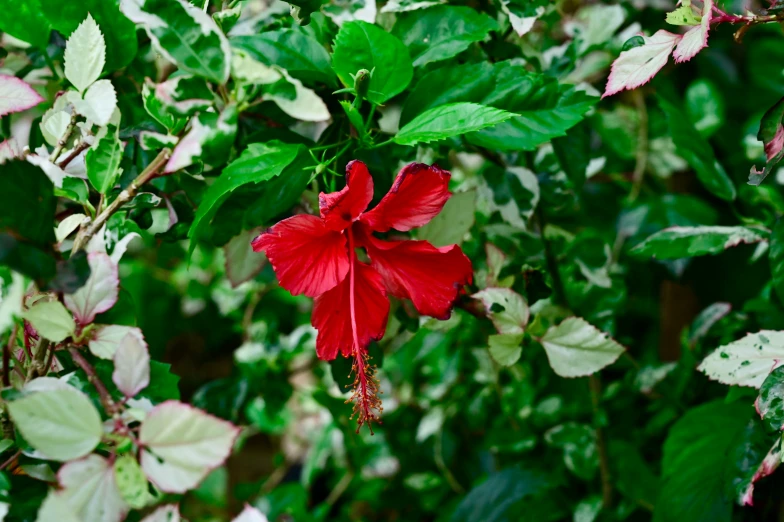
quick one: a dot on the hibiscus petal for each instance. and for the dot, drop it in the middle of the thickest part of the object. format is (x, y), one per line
(430, 277)
(418, 194)
(340, 209)
(307, 257)
(332, 314)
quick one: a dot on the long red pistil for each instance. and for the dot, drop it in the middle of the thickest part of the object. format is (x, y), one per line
(367, 405)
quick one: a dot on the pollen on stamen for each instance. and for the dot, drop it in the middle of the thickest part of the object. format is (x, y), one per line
(367, 403)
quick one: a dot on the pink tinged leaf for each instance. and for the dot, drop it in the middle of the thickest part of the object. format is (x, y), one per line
(131, 366)
(696, 38)
(250, 514)
(99, 293)
(90, 489)
(181, 445)
(106, 339)
(766, 467)
(16, 95)
(9, 149)
(774, 146)
(167, 513)
(639, 65)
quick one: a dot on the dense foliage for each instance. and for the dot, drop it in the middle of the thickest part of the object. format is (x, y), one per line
(542, 259)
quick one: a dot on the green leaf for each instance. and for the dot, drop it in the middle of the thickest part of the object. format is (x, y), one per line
(260, 162)
(467, 83)
(103, 161)
(51, 319)
(450, 120)
(697, 467)
(184, 34)
(302, 9)
(441, 32)
(24, 187)
(60, 423)
(770, 128)
(209, 140)
(705, 105)
(505, 349)
(131, 482)
(301, 55)
(776, 257)
(453, 222)
(26, 21)
(511, 494)
(683, 15)
(85, 55)
(355, 118)
(360, 45)
(242, 263)
(574, 152)
(680, 242)
(747, 361)
(576, 348)
(697, 152)
(545, 109)
(578, 443)
(118, 31)
(770, 403)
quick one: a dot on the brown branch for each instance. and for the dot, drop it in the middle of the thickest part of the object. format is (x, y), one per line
(604, 462)
(106, 399)
(123, 197)
(74, 153)
(37, 367)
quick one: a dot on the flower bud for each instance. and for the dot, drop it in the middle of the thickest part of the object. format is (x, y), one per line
(362, 82)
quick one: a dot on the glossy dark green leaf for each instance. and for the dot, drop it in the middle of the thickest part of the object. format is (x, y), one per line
(440, 32)
(770, 404)
(27, 203)
(302, 56)
(771, 126)
(360, 45)
(680, 242)
(26, 21)
(574, 152)
(449, 120)
(259, 163)
(697, 152)
(698, 463)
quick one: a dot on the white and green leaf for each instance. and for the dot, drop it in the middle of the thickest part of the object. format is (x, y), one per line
(747, 361)
(576, 348)
(85, 55)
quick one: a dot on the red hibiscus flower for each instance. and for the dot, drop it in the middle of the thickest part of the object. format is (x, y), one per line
(316, 256)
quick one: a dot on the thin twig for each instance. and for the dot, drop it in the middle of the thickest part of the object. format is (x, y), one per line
(37, 363)
(339, 489)
(10, 460)
(123, 197)
(106, 399)
(74, 153)
(439, 458)
(64, 139)
(641, 155)
(604, 464)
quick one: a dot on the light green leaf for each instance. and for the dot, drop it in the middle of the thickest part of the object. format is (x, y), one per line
(85, 55)
(184, 34)
(453, 222)
(442, 31)
(131, 482)
(683, 15)
(450, 120)
(747, 361)
(62, 424)
(55, 509)
(697, 152)
(182, 444)
(301, 55)
(505, 349)
(102, 161)
(99, 102)
(680, 242)
(576, 348)
(51, 319)
(90, 489)
(53, 126)
(506, 308)
(360, 45)
(107, 338)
